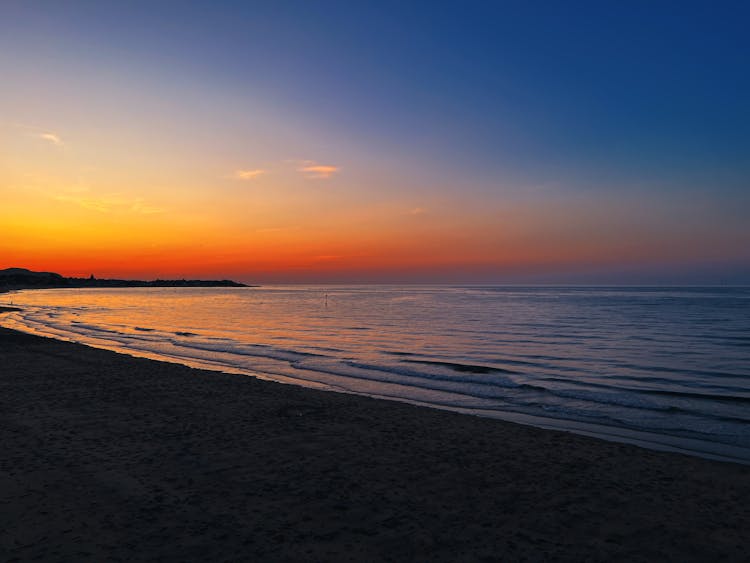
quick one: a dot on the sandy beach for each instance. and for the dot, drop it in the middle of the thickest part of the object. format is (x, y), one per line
(108, 457)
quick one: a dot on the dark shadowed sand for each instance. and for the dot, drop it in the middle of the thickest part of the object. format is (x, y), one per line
(108, 457)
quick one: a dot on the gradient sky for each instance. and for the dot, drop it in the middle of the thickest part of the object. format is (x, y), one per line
(566, 142)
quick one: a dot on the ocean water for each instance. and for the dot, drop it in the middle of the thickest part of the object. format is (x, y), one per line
(668, 368)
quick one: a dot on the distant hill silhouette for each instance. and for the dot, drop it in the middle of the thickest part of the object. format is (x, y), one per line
(21, 278)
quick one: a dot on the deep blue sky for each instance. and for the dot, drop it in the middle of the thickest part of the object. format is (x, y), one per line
(640, 88)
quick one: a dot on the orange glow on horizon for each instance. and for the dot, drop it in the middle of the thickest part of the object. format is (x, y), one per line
(128, 212)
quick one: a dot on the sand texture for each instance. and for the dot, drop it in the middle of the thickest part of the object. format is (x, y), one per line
(107, 457)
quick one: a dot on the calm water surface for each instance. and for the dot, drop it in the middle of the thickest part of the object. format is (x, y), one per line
(664, 367)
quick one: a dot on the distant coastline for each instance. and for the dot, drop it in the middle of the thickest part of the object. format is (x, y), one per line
(21, 278)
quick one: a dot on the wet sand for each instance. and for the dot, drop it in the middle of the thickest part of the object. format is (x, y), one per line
(108, 457)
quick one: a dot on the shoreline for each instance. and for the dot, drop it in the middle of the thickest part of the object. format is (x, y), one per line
(645, 438)
(113, 455)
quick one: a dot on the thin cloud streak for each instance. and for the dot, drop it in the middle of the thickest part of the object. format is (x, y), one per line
(311, 169)
(248, 174)
(110, 203)
(37, 132)
(52, 138)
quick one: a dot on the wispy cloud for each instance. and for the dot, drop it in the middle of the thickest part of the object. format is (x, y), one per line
(417, 211)
(271, 230)
(248, 174)
(37, 133)
(308, 168)
(140, 206)
(312, 169)
(101, 204)
(52, 138)
(109, 203)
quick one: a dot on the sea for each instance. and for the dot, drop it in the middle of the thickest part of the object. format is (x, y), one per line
(663, 367)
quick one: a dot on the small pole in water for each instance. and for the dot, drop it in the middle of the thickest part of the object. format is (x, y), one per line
(326, 301)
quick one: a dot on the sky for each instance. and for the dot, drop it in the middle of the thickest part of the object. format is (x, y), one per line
(426, 142)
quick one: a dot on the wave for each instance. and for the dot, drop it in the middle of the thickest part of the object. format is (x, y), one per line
(259, 350)
(684, 371)
(468, 368)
